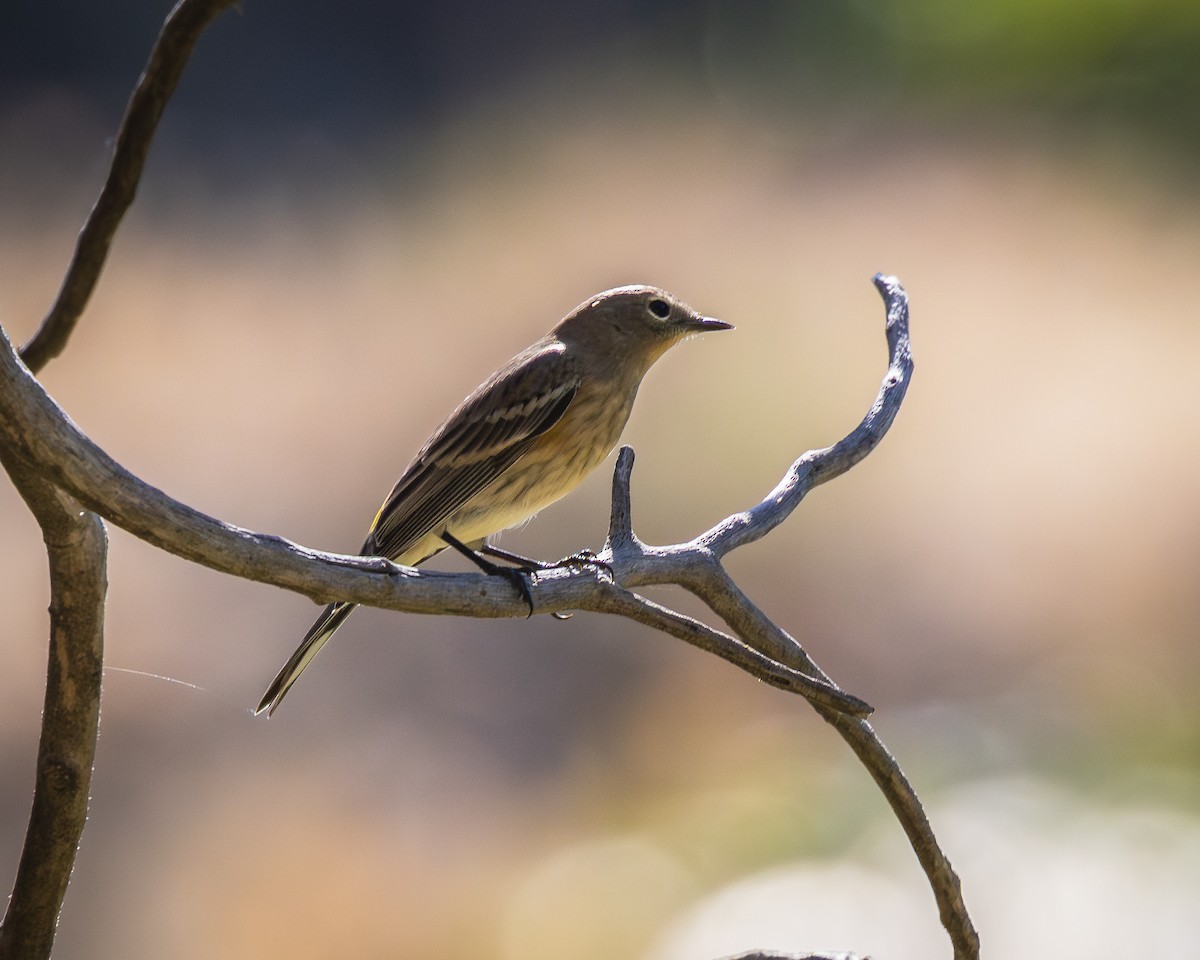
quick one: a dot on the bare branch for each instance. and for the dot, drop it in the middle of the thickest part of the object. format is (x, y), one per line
(77, 548)
(818, 466)
(168, 58)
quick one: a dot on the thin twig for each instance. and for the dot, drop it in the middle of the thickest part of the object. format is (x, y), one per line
(626, 604)
(180, 32)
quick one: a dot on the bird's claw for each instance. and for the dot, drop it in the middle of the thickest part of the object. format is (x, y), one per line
(520, 578)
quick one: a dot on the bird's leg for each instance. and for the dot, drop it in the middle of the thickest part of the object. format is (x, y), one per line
(581, 558)
(526, 563)
(515, 575)
(523, 563)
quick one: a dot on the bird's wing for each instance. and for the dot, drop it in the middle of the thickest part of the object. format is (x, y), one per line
(485, 436)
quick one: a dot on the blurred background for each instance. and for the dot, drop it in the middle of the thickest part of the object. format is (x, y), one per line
(354, 212)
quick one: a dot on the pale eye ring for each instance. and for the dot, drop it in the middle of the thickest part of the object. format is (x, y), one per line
(659, 308)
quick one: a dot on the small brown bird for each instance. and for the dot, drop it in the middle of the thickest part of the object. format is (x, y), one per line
(524, 438)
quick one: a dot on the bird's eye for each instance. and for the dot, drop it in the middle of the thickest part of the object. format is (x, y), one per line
(659, 307)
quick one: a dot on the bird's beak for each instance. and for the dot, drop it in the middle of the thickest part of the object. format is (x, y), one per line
(705, 324)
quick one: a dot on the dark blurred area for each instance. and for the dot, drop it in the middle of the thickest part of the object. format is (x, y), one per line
(354, 212)
(279, 80)
(358, 72)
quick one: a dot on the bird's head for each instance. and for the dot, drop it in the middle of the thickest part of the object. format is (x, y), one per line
(637, 323)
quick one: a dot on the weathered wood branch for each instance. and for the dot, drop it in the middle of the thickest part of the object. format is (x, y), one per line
(77, 547)
(33, 424)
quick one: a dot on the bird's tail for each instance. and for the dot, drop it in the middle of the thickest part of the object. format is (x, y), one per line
(321, 631)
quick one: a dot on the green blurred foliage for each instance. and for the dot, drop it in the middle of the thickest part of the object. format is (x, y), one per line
(1088, 62)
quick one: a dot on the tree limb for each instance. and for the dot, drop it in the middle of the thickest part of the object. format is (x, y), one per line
(77, 547)
(628, 604)
(818, 466)
(170, 55)
(906, 805)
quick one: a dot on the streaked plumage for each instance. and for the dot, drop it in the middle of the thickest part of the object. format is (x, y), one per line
(524, 438)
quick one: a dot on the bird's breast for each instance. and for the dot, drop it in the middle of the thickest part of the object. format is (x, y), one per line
(554, 465)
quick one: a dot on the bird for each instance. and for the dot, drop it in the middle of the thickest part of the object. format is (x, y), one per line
(522, 439)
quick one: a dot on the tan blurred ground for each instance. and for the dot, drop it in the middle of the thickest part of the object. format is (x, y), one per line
(1011, 578)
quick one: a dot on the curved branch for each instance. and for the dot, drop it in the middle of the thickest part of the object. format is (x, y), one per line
(818, 466)
(903, 799)
(76, 542)
(168, 58)
(77, 548)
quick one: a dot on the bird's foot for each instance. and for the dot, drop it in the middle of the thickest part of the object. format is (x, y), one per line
(519, 576)
(526, 569)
